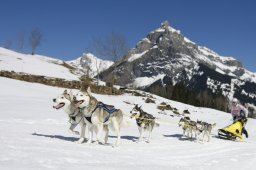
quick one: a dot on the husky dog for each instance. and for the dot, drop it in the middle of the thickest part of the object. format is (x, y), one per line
(205, 129)
(65, 102)
(184, 121)
(98, 116)
(189, 127)
(144, 121)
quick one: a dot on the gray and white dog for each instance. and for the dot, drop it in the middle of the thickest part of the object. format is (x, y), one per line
(65, 102)
(98, 116)
(189, 127)
(205, 129)
(144, 121)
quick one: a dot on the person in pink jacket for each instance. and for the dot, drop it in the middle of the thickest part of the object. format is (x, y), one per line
(238, 111)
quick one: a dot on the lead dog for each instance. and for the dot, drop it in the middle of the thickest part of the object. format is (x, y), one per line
(65, 102)
(144, 121)
(99, 116)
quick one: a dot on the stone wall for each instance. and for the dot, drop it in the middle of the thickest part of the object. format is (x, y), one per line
(58, 82)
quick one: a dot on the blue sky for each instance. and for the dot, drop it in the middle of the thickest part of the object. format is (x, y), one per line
(226, 26)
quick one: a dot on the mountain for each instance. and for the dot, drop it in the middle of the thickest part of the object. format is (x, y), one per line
(35, 65)
(50, 67)
(166, 62)
(91, 63)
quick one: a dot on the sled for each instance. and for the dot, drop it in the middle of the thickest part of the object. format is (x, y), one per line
(233, 131)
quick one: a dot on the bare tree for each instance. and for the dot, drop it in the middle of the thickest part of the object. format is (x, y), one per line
(97, 67)
(35, 39)
(20, 41)
(7, 44)
(86, 63)
(115, 46)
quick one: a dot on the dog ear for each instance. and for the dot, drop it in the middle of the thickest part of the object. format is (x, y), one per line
(70, 94)
(89, 91)
(67, 96)
(65, 91)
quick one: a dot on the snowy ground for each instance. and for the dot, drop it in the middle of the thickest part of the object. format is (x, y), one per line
(35, 136)
(34, 64)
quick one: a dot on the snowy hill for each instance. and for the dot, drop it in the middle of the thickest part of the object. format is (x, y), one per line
(34, 64)
(35, 136)
(90, 61)
(166, 58)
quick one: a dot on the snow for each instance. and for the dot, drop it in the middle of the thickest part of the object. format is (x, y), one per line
(145, 81)
(188, 40)
(137, 56)
(173, 30)
(158, 30)
(34, 64)
(220, 71)
(146, 40)
(34, 136)
(206, 51)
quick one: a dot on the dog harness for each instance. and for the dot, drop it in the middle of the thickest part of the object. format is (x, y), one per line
(72, 118)
(110, 109)
(146, 119)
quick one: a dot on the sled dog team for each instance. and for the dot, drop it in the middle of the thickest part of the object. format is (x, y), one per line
(85, 110)
(196, 128)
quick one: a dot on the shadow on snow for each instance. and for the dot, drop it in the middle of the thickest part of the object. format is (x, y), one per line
(180, 137)
(71, 139)
(131, 138)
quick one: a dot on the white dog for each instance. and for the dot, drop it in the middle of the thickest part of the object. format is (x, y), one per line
(65, 102)
(98, 115)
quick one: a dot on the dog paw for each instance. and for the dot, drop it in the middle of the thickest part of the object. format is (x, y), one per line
(81, 140)
(73, 132)
(139, 140)
(102, 143)
(89, 142)
(96, 142)
(76, 133)
(115, 145)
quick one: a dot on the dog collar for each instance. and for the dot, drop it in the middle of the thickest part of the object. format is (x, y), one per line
(81, 109)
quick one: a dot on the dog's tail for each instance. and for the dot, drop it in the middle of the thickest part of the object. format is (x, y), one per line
(213, 125)
(126, 114)
(125, 123)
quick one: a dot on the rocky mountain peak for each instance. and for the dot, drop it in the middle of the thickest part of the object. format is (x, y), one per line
(165, 25)
(166, 56)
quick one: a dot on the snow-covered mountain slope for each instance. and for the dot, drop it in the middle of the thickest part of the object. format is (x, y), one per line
(35, 136)
(34, 64)
(91, 62)
(166, 54)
